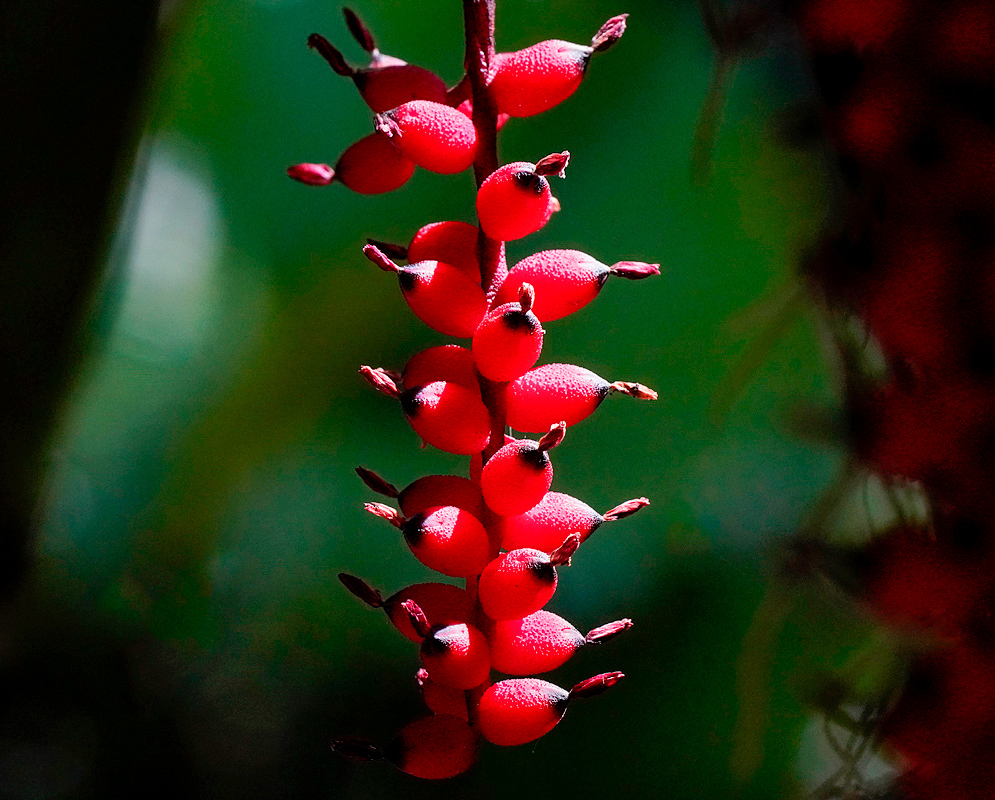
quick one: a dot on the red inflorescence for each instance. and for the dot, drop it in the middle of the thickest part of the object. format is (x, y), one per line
(461, 399)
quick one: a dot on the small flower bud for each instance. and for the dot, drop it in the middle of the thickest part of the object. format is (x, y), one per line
(312, 174)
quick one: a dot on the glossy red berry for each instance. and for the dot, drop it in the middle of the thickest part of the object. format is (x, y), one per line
(373, 166)
(435, 136)
(441, 490)
(477, 461)
(452, 242)
(508, 340)
(520, 582)
(539, 77)
(566, 280)
(515, 200)
(387, 82)
(541, 642)
(448, 416)
(448, 362)
(520, 710)
(437, 747)
(556, 516)
(456, 655)
(440, 295)
(440, 602)
(517, 476)
(552, 392)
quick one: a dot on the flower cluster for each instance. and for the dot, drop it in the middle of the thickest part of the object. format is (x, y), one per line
(501, 529)
(906, 86)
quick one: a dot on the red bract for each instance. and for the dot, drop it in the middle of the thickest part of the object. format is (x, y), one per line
(552, 392)
(566, 280)
(518, 475)
(509, 340)
(441, 295)
(521, 710)
(433, 135)
(556, 516)
(515, 200)
(517, 583)
(539, 77)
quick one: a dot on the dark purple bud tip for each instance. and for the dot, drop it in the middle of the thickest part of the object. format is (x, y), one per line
(526, 297)
(357, 749)
(554, 164)
(334, 58)
(312, 174)
(553, 438)
(359, 31)
(596, 685)
(609, 631)
(609, 33)
(378, 257)
(636, 390)
(392, 515)
(634, 270)
(395, 251)
(380, 380)
(562, 554)
(362, 590)
(418, 619)
(376, 483)
(626, 509)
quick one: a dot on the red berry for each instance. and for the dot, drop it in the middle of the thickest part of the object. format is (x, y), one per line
(541, 642)
(515, 200)
(508, 340)
(440, 295)
(440, 602)
(566, 280)
(557, 515)
(517, 476)
(442, 699)
(441, 490)
(456, 655)
(520, 710)
(448, 416)
(539, 77)
(449, 540)
(452, 242)
(387, 82)
(552, 392)
(477, 461)
(433, 135)
(448, 362)
(517, 583)
(434, 748)
(373, 166)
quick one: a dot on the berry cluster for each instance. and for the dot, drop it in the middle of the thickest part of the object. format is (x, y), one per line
(907, 89)
(501, 529)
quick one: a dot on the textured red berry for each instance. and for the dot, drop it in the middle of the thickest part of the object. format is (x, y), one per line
(541, 642)
(508, 340)
(448, 362)
(434, 748)
(466, 107)
(477, 461)
(539, 77)
(449, 540)
(452, 242)
(448, 416)
(435, 136)
(441, 295)
(520, 582)
(566, 280)
(441, 490)
(520, 710)
(515, 200)
(517, 476)
(557, 515)
(552, 392)
(456, 655)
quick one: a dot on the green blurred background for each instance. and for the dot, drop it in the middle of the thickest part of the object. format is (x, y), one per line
(182, 628)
